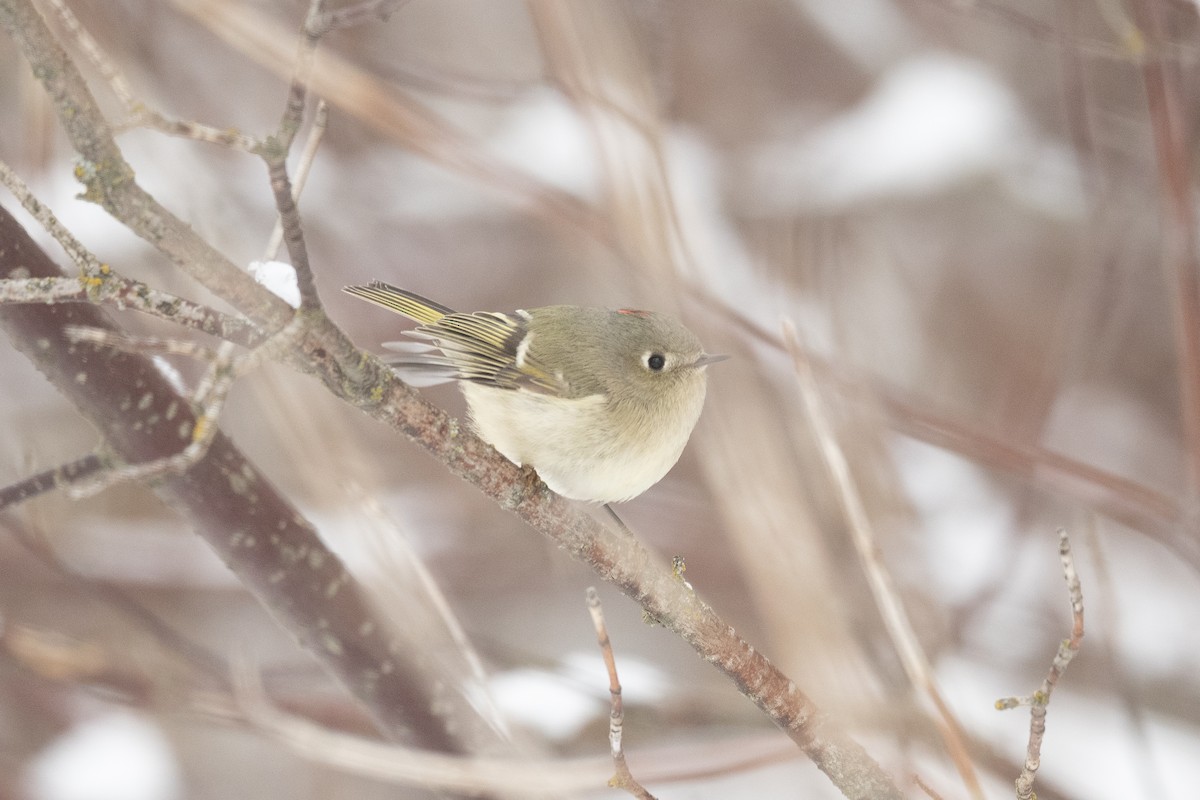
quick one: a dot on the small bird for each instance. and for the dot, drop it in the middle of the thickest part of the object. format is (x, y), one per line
(600, 403)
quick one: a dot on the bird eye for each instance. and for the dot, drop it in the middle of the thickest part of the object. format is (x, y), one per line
(656, 362)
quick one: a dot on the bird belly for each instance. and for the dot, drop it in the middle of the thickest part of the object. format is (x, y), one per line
(571, 443)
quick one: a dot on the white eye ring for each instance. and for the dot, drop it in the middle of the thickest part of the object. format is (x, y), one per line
(655, 362)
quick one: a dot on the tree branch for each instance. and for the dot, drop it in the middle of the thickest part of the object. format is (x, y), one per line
(1040, 700)
(110, 181)
(623, 779)
(289, 571)
(273, 550)
(110, 289)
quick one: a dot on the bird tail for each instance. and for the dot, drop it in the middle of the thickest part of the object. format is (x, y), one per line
(402, 301)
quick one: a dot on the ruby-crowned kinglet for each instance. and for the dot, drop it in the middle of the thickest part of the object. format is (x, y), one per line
(599, 402)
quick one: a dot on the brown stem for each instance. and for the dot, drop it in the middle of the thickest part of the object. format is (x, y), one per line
(288, 569)
(273, 550)
(109, 179)
(1181, 257)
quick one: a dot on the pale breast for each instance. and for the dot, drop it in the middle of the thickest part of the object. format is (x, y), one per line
(573, 444)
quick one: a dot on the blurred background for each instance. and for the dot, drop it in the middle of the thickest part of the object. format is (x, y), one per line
(978, 217)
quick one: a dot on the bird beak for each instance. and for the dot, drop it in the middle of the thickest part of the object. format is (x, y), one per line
(705, 359)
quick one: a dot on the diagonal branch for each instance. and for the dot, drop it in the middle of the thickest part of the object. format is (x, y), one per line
(109, 179)
(624, 562)
(59, 477)
(273, 550)
(883, 587)
(110, 289)
(294, 556)
(1181, 245)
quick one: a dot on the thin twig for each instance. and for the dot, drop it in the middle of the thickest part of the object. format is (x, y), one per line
(1168, 107)
(323, 350)
(273, 549)
(926, 788)
(57, 478)
(139, 113)
(589, 57)
(1040, 699)
(111, 182)
(883, 588)
(306, 52)
(109, 289)
(303, 167)
(274, 152)
(293, 232)
(146, 345)
(93, 52)
(99, 283)
(623, 779)
(79, 255)
(209, 400)
(1157, 514)
(392, 113)
(314, 595)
